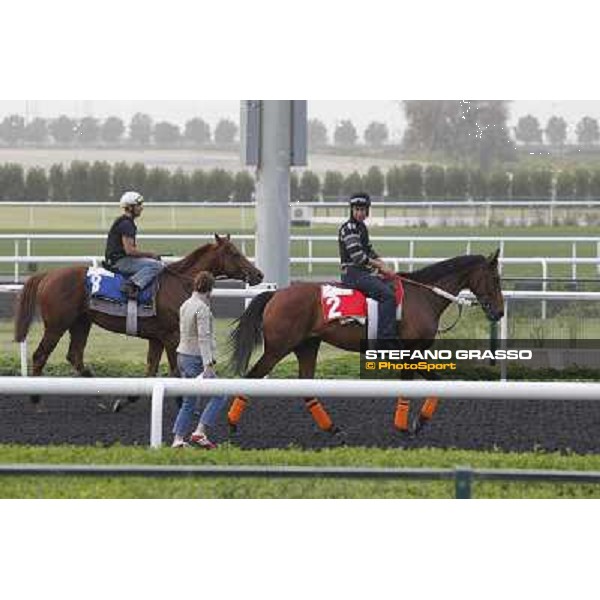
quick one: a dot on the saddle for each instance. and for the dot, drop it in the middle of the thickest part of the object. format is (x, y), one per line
(105, 295)
(348, 305)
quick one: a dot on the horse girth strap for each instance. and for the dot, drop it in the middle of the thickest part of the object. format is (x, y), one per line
(440, 292)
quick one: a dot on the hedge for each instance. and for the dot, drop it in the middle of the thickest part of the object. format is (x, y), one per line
(99, 181)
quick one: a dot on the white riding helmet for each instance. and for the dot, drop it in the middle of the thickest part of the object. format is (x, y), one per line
(131, 199)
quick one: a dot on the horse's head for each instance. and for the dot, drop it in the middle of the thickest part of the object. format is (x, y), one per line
(484, 282)
(230, 262)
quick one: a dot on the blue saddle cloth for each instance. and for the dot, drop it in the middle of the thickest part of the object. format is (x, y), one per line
(106, 285)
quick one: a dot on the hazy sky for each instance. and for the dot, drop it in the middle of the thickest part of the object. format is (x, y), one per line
(360, 112)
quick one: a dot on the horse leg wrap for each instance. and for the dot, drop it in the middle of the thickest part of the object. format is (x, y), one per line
(401, 415)
(236, 410)
(319, 414)
(429, 407)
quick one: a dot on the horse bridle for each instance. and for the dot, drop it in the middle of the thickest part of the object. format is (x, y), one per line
(461, 302)
(440, 292)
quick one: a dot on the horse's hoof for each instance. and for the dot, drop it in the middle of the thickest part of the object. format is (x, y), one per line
(339, 435)
(35, 399)
(87, 373)
(417, 425)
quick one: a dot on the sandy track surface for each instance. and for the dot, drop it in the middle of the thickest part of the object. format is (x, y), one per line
(508, 425)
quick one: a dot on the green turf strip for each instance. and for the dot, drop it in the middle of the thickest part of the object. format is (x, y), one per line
(187, 487)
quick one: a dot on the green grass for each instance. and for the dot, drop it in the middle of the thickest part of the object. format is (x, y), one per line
(103, 346)
(184, 487)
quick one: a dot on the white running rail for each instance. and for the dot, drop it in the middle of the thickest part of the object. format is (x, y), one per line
(158, 388)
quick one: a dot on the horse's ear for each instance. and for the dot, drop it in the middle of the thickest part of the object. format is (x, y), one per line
(493, 258)
(218, 238)
(228, 238)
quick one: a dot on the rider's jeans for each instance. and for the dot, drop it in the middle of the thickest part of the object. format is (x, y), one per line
(374, 287)
(191, 366)
(144, 270)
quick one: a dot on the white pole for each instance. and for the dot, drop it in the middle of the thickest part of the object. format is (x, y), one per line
(23, 348)
(273, 192)
(504, 337)
(156, 418)
(544, 286)
(16, 261)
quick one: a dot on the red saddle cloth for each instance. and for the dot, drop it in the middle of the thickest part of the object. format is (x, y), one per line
(340, 302)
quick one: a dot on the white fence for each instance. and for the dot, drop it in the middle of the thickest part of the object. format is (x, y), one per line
(465, 241)
(398, 261)
(339, 388)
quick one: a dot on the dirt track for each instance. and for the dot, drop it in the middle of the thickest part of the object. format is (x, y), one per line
(507, 424)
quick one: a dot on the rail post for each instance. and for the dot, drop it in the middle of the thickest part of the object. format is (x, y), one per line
(462, 486)
(544, 286)
(23, 349)
(16, 261)
(504, 338)
(156, 415)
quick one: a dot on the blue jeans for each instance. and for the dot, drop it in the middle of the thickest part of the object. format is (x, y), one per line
(144, 270)
(191, 366)
(382, 291)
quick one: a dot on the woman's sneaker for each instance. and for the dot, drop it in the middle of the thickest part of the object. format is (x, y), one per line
(180, 445)
(200, 440)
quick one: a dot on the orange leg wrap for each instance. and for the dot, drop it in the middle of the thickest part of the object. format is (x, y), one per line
(401, 416)
(429, 407)
(319, 414)
(237, 409)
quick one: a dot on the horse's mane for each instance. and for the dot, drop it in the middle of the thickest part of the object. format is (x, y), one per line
(187, 262)
(439, 270)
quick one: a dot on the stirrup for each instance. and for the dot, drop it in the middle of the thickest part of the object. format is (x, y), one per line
(130, 290)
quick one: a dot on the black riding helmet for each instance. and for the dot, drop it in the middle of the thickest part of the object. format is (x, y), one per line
(360, 199)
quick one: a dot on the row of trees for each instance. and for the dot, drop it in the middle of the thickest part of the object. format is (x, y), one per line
(89, 131)
(435, 182)
(101, 182)
(143, 131)
(465, 129)
(529, 131)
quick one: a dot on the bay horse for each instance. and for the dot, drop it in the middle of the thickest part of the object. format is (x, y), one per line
(63, 304)
(291, 320)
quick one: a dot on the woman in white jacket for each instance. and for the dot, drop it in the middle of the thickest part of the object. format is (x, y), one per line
(196, 354)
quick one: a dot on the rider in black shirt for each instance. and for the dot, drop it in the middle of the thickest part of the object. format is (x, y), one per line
(121, 250)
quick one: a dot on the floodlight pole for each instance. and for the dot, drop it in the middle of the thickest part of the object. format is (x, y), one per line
(273, 139)
(273, 192)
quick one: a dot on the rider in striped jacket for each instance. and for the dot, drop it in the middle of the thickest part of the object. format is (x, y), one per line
(362, 268)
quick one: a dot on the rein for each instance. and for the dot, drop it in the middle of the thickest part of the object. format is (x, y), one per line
(461, 302)
(440, 292)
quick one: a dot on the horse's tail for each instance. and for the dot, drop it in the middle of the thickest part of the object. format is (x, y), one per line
(25, 306)
(248, 333)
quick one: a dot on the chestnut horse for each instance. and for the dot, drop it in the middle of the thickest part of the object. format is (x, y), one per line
(291, 320)
(63, 304)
